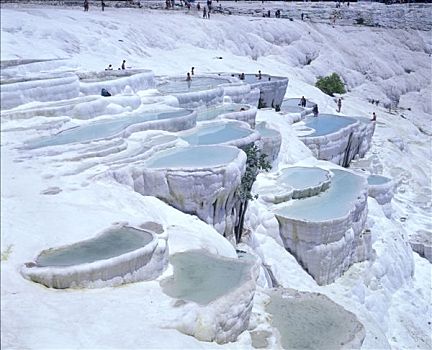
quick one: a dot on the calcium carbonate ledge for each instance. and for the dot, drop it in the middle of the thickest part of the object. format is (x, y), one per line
(40, 88)
(116, 83)
(198, 180)
(91, 264)
(381, 188)
(216, 294)
(326, 233)
(270, 142)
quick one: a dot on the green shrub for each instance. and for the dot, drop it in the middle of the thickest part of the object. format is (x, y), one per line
(331, 84)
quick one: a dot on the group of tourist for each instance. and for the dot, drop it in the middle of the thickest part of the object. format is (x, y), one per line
(86, 5)
(123, 66)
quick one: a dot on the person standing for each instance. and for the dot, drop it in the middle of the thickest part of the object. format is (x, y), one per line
(192, 70)
(302, 102)
(123, 66)
(339, 105)
(103, 5)
(86, 5)
(315, 110)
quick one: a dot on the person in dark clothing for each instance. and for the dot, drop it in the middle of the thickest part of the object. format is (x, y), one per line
(315, 110)
(339, 105)
(193, 70)
(105, 93)
(110, 67)
(259, 75)
(198, 6)
(123, 66)
(242, 76)
(373, 117)
(302, 16)
(103, 5)
(188, 77)
(302, 102)
(205, 12)
(86, 5)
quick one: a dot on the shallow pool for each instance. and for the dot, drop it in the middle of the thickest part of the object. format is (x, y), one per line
(215, 111)
(102, 129)
(335, 202)
(303, 177)
(193, 157)
(311, 323)
(377, 179)
(203, 278)
(326, 124)
(108, 245)
(267, 132)
(196, 84)
(220, 133)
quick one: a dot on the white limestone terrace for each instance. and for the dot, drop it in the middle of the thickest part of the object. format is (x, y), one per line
(326, 233)
(241, 112)
(42, 88)
(312, 321)
(222, 132)
(421, 242)
(381, 188)
(272, 89)
(121, 254)
(270, 142)
(116, 82)
(295, 183)
(215, 294)
(83, 107)
(120, 126)
(200, 91)
(292, 108)
(338, 139)
(199, 180)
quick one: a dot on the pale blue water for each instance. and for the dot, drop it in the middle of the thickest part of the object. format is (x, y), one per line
(214, 111)
(266, 132)
(310, 323)
(214, 134)
(333, 203)
(194, 156)
(302, 177)
(377, 179)
(110, 244)
(203, 278)
(102, 129)
(196, 84)
(326, 124)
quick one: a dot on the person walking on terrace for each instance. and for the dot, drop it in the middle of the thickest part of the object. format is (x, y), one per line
(339, 105)
(302, 102)
(315, 111)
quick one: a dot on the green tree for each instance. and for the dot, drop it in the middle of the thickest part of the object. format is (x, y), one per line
(255, 162)
(331, 84)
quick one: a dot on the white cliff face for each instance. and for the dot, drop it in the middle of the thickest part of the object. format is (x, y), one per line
(340, 145)
(84, 265)
(327, 240)
(205, 188)
(39, 88)
(212, 310)
(272, 91)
